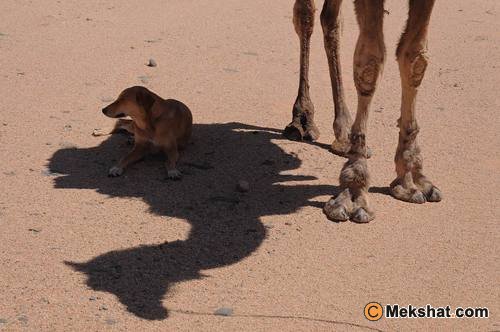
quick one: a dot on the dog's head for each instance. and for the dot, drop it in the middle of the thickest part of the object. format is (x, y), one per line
(132, 102)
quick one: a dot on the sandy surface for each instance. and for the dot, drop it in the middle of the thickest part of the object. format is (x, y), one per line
(81, 251)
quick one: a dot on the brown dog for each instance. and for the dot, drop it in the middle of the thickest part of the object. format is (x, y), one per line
(157, 123)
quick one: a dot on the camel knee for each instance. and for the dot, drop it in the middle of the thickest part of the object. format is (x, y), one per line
(303, 17)
(413, 65)
(366, 74)
(418, 65)
(368, 61)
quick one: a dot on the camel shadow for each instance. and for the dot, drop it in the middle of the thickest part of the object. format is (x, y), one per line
(225, 224)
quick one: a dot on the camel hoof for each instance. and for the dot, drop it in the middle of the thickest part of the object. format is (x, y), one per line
(408, 195)
(335, 211)
(418, 198)
(311, 133)
(361, 216)
(434, 195)
(294, 132)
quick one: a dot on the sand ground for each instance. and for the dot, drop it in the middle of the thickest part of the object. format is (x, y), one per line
(81, 251)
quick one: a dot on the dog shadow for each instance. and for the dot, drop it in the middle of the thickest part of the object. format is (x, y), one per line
(225, 223)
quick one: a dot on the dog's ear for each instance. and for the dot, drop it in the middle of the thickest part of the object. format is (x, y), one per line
(145, 99)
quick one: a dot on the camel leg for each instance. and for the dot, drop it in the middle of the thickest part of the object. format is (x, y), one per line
(302, 125)
(353, 202)
(411, 185)
(331, 23)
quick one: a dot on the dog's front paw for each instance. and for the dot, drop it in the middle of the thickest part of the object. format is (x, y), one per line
(115, 171)
(174, 174)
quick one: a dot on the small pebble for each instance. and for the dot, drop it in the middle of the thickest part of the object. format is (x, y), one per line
(243, 186)
(23, 319)
(144, 79)
(110, 321)
(251, 53)
(223, 312)
(106, 99)
(67, 128)
(152, 63)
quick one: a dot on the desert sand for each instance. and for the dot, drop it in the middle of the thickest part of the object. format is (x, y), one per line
(81, 251)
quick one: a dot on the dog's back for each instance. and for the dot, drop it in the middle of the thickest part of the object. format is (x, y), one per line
(174, 119)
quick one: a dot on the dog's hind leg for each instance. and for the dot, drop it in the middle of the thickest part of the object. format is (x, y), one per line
(172, 153)
(121, 124)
